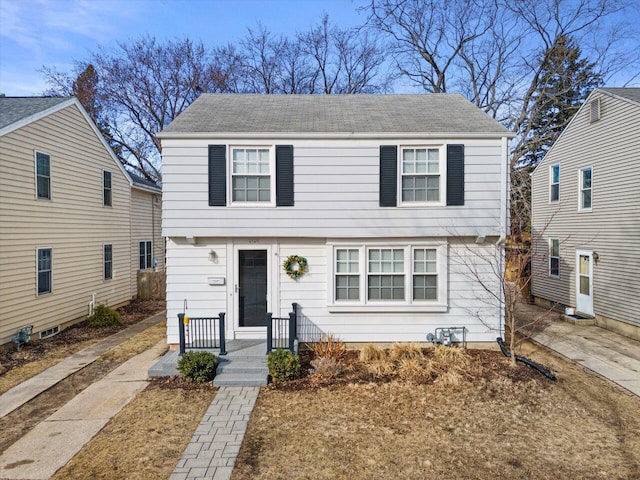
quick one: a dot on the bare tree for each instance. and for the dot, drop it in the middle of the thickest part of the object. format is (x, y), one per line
(143, 85)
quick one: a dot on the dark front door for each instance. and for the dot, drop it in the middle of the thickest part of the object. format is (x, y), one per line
(253, 287)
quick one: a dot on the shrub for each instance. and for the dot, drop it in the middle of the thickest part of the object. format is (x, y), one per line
(198, 367)
(283, 365)
(328, 347)
(103, 317)
(371, 353)
(326, 367)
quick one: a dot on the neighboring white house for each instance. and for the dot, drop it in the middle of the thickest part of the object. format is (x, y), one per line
(586, 213)
(66, 209)
(384, 195)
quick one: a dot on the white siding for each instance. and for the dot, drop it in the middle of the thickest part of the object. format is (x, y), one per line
(336, 194)
(189, 266)
(611, 146)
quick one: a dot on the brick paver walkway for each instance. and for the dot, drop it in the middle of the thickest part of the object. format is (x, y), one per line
(212, 451)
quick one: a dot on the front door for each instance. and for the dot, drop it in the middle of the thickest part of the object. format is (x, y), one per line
(252, 288)
(584, 282)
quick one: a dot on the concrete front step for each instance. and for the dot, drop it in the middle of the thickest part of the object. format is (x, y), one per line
(240, 380)
(237, 366)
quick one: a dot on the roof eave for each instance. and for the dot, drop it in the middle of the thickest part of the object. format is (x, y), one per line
(146, 188)
(332, 135)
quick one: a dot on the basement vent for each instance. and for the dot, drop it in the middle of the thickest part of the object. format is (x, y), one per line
(595, 110)
(49, 332)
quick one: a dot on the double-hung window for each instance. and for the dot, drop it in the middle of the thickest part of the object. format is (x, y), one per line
(146, 260)
(107, 259)
(251, 175)
(391, 277)
(106, 188)
(554, 257)
(554, 183)
(585, 180)
(44, 267)
(421, 175)
(43, 176)
(385, 278)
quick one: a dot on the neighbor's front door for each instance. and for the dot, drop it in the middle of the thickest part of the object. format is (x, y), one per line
(252, 288)
(584, 282)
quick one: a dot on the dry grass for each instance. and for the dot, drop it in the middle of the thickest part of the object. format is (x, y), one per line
(328, 346)
(146, 439)
(500, 424)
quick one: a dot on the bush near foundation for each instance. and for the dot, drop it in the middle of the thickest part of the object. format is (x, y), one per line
(198, 367)
(283, 365)
(104, 317)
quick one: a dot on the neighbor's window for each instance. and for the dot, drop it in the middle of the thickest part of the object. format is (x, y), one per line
(586, 179)
(107, 257)
(347, 274)
(554, 183)
(420, 175)
(251, 175)
(146, 255)
(386, 274)
(44, 266)
(554, 257)
(106, 188)
(43, 176)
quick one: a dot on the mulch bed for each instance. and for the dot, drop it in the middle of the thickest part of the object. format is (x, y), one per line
(132, 313)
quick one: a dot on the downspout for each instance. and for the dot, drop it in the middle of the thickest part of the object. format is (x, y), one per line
(504, 222)
(153, 228)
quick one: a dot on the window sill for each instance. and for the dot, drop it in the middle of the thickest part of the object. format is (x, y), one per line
(585, 210)
(386, 308)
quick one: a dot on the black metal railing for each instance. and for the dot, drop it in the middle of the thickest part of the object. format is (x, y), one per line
(282, 332)
(201, 333)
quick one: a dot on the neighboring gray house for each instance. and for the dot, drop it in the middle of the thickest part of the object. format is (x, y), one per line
(586, 213)
(382, 194)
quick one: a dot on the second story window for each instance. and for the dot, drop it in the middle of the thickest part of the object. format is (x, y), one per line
(43, 176)
(106, 188)
(554, 183)
(554, 257)
(420, 175)
(251, 175)
(586, 178)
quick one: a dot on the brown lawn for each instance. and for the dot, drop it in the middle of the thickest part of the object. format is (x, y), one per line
(496, 424)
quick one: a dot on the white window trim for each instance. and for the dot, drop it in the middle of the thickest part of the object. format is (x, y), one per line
(408, 305)
(553, 275)
(38, 271)
(551, 167)
(442, 167)
(145, 251)
(110, 188)
(35, 170)
(272, 177)
(580, 207)
(104, 261)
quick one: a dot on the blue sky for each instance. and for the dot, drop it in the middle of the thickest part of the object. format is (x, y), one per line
(54, 33)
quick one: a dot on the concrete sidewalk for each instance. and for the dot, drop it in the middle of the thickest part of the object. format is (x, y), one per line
(612, 356)
(53, 442)
(26, 391)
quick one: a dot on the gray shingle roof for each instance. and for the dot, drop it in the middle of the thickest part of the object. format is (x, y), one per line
(630, 93)
(137, 180)
(242, 113)
(14, 109)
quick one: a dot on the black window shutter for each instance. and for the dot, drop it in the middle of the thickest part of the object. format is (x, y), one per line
(217, 175)
(284, 175)
(388, 175)
(455, 175)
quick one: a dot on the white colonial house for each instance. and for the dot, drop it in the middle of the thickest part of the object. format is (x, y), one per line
(387, 197)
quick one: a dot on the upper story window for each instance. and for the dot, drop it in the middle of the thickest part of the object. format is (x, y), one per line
(554, 257)
(145, 256)
(44, 267)
(421, 174)
(554, 183)
(106, 188)
(107, 259)
(43, 176)
(251, 175)
(585, 188)
(389, 277)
